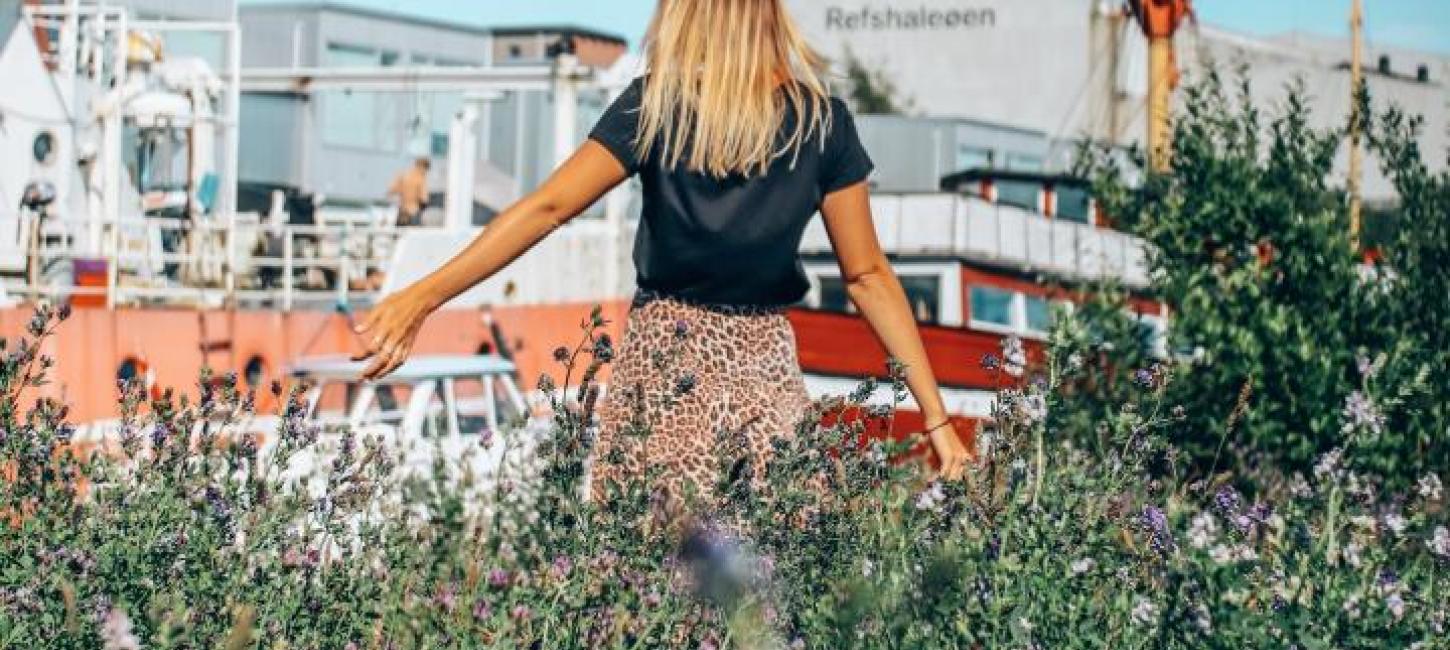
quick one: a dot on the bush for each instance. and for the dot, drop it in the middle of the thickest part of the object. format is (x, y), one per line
(192, 537)
(1250, 249)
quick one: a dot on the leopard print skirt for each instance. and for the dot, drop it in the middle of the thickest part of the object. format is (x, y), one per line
(688, 376)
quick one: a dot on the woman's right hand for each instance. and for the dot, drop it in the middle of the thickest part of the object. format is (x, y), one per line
(389, 329)
(951, 454)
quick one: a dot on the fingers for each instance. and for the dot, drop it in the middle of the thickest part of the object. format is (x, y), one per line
(387, 360)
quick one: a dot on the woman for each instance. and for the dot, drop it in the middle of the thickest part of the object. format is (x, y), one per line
(737, 145)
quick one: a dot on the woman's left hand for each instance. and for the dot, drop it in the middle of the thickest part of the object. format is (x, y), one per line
(389, 329)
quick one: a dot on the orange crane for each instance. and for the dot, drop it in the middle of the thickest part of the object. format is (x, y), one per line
(1160, 20)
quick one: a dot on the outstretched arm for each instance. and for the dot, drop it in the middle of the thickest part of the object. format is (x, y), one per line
(391, 326)
(874, 288)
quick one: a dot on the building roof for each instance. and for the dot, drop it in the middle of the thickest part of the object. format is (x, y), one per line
(394, 16)
(571, 30)
(416, 368)
(951, 182)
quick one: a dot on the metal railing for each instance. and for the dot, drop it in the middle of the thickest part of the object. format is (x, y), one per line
(179, 262)
(968, 227)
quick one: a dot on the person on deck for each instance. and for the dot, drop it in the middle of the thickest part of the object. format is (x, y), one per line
(738, 145)
(410, 187)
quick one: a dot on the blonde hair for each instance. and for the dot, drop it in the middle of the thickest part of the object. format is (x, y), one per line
(721, 76)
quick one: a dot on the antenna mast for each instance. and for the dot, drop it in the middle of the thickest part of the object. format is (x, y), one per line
(1356, 157)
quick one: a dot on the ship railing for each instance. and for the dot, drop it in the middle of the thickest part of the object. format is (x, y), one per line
(177, 262)
(967, 227)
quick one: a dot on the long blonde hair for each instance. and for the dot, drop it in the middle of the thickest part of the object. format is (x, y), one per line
(721, 76)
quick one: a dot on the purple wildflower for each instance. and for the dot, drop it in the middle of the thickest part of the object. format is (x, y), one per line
(446, 597)
(561, 567)
(499, 578)
(1144, 377)
(1228, 501)
(521, 613)
(1155, 523)
(481, 611)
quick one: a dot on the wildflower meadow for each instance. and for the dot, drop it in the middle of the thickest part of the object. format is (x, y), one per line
(1226, 493)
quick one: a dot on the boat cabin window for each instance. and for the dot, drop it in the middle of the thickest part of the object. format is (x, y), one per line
(833, 296)
(1039, 314)
(991, 307)
(1074, 204)
(1022, 194)
(923, 293)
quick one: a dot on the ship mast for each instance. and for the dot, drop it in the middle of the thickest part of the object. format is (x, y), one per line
(1160, 20)
(1356, 157)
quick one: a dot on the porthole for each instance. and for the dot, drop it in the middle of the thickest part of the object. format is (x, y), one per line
(254, 372)
(44, 148)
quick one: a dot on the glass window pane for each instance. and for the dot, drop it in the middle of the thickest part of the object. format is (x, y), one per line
(973, 158)
(1022, 194)
(833, 295)
(992, 305)
(1073, 204)
(1039, 314)
(350, 118)
(923, 293)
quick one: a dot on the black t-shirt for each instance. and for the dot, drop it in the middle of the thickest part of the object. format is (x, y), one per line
(732, 240)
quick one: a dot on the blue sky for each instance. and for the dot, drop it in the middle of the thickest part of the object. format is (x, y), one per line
(1418, 24)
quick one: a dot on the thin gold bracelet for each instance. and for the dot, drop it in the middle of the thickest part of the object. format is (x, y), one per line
(938, 426)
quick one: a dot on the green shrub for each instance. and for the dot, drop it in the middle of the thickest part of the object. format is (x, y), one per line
(1250, 249)
(182, 543)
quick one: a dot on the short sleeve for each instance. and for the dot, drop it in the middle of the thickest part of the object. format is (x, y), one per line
(845, 162)
(618, 128)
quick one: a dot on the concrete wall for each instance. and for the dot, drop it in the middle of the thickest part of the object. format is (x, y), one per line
(1019, 62)
(1274, 66)
(1056, 67)
(182, 9)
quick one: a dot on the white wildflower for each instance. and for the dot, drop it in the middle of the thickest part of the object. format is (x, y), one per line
(1352, 556)
(1368, 367)
(931, 498)
(1440, 543)
(1202, 530)
(1361, 414)
(1014, 356)
(116, 632)
(1396, 605)
(1082, 565)
(1351, 607)
(1034, 409)
(1430, 487)
(1145, 612)
(868, 568)
(1202, 618)
(1222, 554)
(1328, 464)
(1074, 361)
(1396, 523)
(1365, 522)
(1300, 489)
